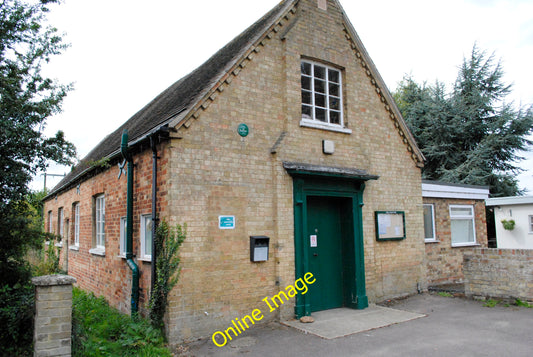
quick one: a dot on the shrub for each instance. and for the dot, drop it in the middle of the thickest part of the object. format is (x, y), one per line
(100, 330)
(16, 319)
(49, 262)
(168, 241)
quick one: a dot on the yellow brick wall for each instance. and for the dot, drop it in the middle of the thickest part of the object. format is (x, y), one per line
(213, 171)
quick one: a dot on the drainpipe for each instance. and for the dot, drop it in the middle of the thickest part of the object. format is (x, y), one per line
(129, 228)
(154, 215)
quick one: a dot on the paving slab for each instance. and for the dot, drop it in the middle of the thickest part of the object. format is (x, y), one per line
(342, 322)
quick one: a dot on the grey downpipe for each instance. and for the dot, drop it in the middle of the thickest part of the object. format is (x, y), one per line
(129, 227)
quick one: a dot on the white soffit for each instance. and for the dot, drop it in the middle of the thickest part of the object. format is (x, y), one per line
(440, 190)
(508, 201)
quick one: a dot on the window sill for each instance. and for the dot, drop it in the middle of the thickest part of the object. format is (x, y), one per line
(74, 247)
(315, 124)
(466, 245)
(98, 251)
(146, 259)
(431, 241)
(60, 245)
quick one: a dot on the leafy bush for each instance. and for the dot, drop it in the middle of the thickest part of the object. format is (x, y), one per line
(99, 330)
(49, 262)
(168, 241)
(16, 319)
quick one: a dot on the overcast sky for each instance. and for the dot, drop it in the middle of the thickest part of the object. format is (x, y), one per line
(125, 52)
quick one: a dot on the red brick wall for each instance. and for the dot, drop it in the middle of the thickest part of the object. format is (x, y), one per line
(109, 275)
(444, 262)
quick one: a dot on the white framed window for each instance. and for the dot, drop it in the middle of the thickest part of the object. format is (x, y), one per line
(429, 223)
(76, 225)
(321, 96)
(50, 219)
(463, 226)
(530, 224)
(100, 221)
(146, 236)
(60, 221)
(123, 225)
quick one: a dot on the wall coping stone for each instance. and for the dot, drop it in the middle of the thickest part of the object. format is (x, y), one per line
(51, 280)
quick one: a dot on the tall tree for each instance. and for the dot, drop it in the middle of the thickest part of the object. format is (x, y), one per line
(27, 99)
(471, 135)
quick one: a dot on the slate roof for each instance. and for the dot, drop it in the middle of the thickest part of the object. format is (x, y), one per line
(176, 99)
(181, 97)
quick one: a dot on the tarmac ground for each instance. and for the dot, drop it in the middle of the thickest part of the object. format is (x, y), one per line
(440, 326)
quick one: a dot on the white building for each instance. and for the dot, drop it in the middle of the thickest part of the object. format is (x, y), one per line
(509, 209)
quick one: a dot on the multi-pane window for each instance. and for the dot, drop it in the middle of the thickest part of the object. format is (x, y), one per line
(530, 224)
(146, 236)
(429, 222)
(100, 221)
(76, 224)
(463, 228)
(321, 93)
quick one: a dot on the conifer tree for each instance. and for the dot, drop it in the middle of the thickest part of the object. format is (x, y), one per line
(471, 135)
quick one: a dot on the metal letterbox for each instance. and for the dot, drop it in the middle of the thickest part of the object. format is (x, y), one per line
(259, 248)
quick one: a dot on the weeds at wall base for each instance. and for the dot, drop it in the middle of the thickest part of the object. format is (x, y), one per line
(100, 330)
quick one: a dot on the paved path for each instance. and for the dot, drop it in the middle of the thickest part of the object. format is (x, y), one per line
(453, 327)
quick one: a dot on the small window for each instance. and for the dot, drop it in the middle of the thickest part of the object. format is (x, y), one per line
(321, 94)
(530, 224)
(146, 237)
(429, 223)
(60, 220)
(76, 224)
(123, 225)
(100, 221)
(50, 219)
(463, 227)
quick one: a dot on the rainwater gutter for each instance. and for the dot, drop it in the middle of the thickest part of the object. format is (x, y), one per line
(129, 227)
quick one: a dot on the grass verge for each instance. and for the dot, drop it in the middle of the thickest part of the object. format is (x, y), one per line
(100, 330)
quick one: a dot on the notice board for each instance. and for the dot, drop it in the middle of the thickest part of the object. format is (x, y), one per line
(390, 225)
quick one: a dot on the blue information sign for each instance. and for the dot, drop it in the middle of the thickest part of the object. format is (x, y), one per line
(226, 222)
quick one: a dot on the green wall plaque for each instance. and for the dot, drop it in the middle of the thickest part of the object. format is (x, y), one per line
(243, 130)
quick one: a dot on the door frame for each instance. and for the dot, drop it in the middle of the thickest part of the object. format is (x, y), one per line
(327, 185)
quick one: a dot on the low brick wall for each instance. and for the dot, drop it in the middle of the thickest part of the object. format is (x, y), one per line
(53, 315)
(499, 273)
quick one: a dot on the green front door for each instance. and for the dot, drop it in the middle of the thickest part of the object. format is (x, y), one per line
(328, 242)
(324, 243)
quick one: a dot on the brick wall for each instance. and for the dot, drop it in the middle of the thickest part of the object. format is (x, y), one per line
(499, 273)
(214, 171)
(209, 170)
(108, 274)
(444, 262)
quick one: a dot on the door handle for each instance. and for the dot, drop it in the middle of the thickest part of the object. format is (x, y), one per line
(315, 254)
